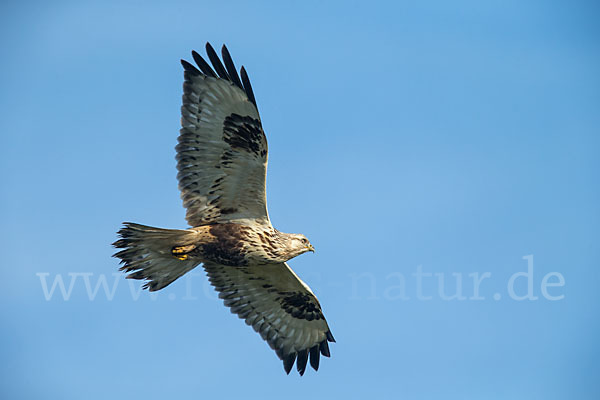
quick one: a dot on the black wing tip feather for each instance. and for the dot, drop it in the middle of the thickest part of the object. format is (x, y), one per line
(330, 336)
(301, 361)
(190, 68)
(204, 66)
(314, 357)
(216, 62)
(226, 72)
(288, 362)
(230, 66)
(303, 356)
(247, 85)
(324, 348)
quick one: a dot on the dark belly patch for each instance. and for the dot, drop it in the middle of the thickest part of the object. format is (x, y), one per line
(223, 254)
(227, 246)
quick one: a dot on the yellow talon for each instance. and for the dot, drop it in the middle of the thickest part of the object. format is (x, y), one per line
(181, 252)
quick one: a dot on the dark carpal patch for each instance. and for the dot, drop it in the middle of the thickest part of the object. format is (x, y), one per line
(300, 305)
(244, 133)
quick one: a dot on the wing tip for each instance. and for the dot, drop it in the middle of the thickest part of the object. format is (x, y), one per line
(314, 357)
(188, 67)
(301, 361)
(247, 86)
(330, 337)
(216, 62)
(288, 362)
(303, 357)
(204, 67)
(230, 67)
(226, 71)
(324, 348)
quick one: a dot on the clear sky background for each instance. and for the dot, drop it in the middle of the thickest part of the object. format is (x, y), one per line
(450, 138)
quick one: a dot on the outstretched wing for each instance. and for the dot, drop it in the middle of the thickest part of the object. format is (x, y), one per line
(222, 150)
(279, 306)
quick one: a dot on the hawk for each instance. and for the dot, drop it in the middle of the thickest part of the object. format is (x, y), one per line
(222, 163)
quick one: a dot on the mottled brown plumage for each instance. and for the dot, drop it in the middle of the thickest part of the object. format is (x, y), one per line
(222, 162)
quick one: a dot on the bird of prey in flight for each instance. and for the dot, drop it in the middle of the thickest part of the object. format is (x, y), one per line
(222, 163)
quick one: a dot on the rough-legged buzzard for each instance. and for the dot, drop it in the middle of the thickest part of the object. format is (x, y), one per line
(222, 164)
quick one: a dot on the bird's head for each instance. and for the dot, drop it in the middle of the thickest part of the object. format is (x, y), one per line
(299, 244)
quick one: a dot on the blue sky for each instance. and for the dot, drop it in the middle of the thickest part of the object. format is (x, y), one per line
(419, 145)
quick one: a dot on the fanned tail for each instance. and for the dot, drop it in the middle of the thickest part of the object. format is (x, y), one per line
(154, 254)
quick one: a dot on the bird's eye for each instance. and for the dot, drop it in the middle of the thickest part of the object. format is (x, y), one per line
(304, 240)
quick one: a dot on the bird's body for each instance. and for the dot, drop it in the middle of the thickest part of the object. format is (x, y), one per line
(222, 161)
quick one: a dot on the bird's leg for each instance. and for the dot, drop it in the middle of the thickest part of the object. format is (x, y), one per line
(181, 252)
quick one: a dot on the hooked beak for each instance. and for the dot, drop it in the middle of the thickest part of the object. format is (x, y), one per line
(310, 248)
